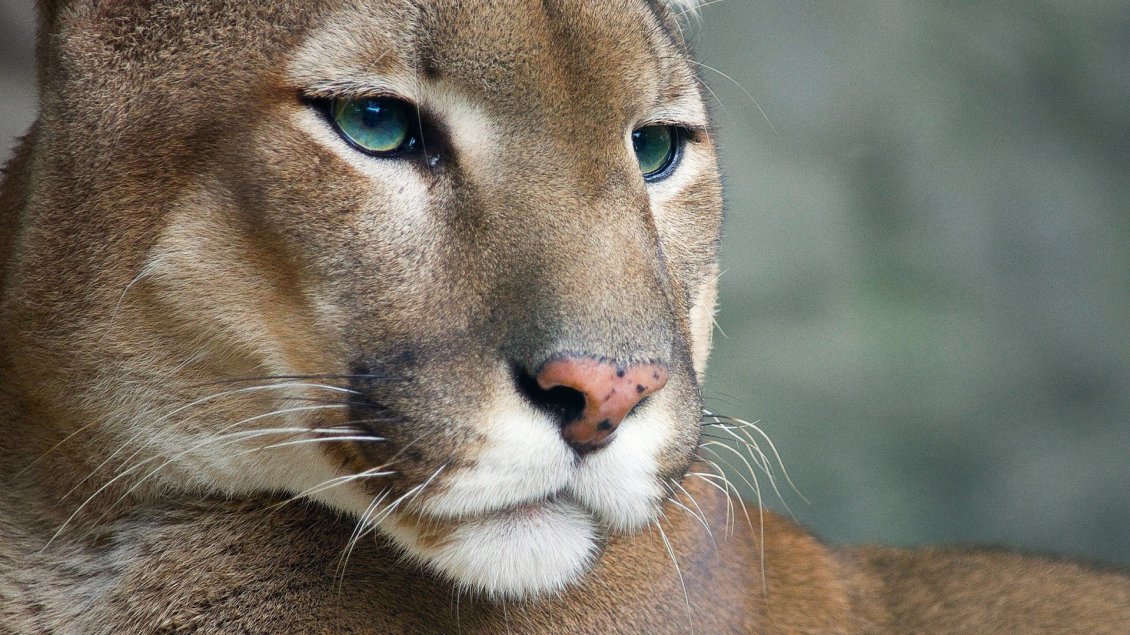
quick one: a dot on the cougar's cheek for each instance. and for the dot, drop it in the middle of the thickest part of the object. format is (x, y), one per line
(702, 322)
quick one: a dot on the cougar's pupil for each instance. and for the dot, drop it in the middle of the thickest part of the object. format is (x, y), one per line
(655, 148)
(377, 126)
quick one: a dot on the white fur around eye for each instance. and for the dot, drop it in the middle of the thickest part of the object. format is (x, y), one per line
(401, 186)
(689, 168)
(381, 169)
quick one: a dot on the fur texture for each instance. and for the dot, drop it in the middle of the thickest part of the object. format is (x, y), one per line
(255, 380)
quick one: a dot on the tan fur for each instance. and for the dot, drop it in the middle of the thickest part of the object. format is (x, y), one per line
(188, 251)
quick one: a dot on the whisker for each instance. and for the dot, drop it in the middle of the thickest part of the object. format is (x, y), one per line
(366, 526)
(126, 472)
(408, 496)
(145, 271)
(678, 571)
(221, 430)
(745, 461)
(505, 616)
(168, 415)
(743, 89)
(317, 440)
(453, 606)
(731, 492)
(416, 494)
(746, 440)
(716, 98)
(341, 480)
(674, 500)
(247, 434)
(704, 477)
(373, 420)
(763, 464)
(311, 377)
(730, 485)
(748, 426)
(701, 514)
(757, 455)
(694, 10)
(355, 535)
(343, 402)
(372, 472)
(760, 509)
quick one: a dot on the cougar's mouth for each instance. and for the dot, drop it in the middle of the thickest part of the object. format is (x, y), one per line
(509, 512)
(435, 525)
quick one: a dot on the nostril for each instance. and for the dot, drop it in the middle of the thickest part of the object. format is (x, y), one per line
(563, 403)
(589, 395)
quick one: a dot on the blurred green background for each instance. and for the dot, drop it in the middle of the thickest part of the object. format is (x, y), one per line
(926, 301)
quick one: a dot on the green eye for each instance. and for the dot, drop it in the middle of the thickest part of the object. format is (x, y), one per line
(656, 148)
(377, 126)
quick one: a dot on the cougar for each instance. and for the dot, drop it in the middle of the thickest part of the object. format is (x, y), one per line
(390, 316)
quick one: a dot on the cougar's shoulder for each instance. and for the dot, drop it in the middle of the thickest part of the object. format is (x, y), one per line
(961, 590)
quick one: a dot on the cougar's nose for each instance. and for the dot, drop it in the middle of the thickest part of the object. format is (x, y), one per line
(592, 396)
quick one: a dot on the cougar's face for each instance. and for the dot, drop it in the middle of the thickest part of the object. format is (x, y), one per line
(447, 266)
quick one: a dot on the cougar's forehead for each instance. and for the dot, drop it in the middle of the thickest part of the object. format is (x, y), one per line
(537, 100)
(555, 64)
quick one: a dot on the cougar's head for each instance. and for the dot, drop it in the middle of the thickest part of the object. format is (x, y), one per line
(448, 267)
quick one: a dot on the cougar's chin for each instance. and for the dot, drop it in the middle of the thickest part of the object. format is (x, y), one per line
(526, 551)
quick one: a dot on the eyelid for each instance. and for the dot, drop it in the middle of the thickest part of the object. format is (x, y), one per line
(671, 121)
(675, 114)
(352, 90)
(688, 132)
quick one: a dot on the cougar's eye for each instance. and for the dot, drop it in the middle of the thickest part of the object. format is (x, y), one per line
(377, 126)
(656, 149)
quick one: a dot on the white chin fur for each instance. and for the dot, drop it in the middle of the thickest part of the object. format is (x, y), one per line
(619, 482)
(530, 551)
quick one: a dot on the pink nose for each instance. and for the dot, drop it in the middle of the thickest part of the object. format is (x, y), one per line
(610, 391)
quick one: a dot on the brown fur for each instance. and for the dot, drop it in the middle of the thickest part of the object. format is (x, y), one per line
(167, 227)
